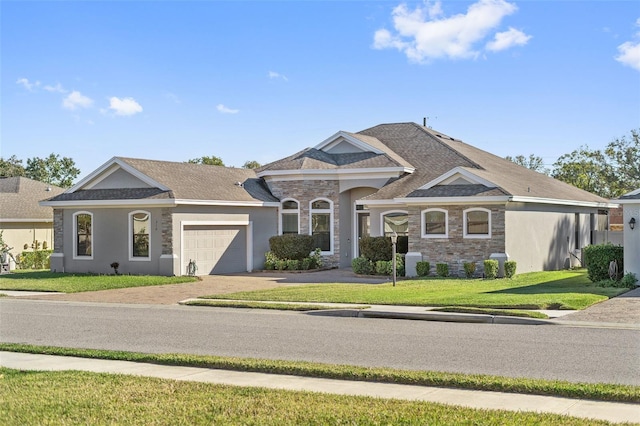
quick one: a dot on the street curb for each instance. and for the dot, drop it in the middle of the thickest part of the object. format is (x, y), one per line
(432, 316)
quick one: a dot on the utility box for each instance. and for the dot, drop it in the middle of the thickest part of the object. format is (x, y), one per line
(501, 258)
(411, 260)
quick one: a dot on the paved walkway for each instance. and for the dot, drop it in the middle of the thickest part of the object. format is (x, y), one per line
(610, 411)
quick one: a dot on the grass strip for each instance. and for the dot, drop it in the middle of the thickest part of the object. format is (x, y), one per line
(593, 391)
(535, 290)
(266, 305)
(497, 312)
(75, 397)
(75, 283)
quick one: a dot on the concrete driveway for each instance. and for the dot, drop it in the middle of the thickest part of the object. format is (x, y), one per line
(622, 309)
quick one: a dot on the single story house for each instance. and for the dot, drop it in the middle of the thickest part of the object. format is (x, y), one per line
(22, 220)
(631, 221)
(454, 202)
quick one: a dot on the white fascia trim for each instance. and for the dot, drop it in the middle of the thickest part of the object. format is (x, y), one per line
(215, 222)
(502, 199)
(536, 200)
(109, 203)
(344, 174)
(327, 143)
(458, 170)
(629, 201)
(27, 220)
(229, 203)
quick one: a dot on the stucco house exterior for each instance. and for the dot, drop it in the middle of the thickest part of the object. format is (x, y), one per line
(22, 219)
(454, 202)
(631, 221)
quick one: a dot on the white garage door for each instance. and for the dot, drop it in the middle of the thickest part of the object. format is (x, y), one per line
(215, 249)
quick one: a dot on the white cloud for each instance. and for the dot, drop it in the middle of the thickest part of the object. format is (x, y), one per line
(423, 34)
(507, 39)
(27, 84)
(56, 89)
(124, 106)
(273, 74)
(629, 52)
(225, 110)
(76, 100)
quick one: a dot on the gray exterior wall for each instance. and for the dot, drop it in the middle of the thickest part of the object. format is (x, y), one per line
(542, 237)
(632, 239)
(110, 243)
(264, 224)
(111, 237)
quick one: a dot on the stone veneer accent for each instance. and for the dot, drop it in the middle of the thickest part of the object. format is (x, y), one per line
(167, 231)
(304, 191)
(58, 231)
(456, 250)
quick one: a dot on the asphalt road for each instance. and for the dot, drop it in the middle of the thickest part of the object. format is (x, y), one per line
(577, 354)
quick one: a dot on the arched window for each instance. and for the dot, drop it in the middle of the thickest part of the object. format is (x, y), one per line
(321, 224)
(139, 235)
(83, 233)
(435, 223)
(395, 221)
(477, 223)
(290, 217)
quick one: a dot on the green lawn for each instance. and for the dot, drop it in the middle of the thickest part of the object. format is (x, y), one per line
(74, 283)
(30, 398)
(536, 290)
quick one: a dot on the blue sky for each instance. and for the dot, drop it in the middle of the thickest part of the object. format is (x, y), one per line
(262, 80)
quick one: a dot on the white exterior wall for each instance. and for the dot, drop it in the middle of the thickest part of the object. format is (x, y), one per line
(632, 239)
(17, 234)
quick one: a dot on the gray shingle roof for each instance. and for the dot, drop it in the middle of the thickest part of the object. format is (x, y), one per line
(633, 195)
(116, 194)
(434, 153)
(19, 198)
(457, 191)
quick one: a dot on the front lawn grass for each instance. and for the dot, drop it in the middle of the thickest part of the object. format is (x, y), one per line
(489, 311)
(593, 391)
(72, 397)
(535, 290)
(75, 283)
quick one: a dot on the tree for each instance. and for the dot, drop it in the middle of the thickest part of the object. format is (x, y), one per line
(53, 169)
(624, 157)
(534, 162)
(211, 161)
(586, 169)
(609, 173)
(251, 165)
(11, 167)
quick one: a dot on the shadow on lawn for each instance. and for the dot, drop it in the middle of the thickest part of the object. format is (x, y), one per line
(575, 284)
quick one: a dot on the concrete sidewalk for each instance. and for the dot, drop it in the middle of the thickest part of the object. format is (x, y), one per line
(610, 411)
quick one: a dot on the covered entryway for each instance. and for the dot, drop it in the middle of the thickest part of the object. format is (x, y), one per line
(216, 249)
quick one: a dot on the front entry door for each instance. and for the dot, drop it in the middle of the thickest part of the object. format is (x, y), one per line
(363, 229)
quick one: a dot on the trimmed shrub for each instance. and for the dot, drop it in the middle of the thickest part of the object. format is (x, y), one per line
(361, 266)
(291, 246)
(383, 267)
(491, 269)
(510, 268)
(442, 269)
(375, 248)
(469, 269)
(400, 270)
(423, 268)
(270, 261)
(629, 280)
(293, 265)
(598, 258)
(38, 259)
(306, 263)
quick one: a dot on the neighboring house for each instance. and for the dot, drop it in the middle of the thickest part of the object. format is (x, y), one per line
(454, 202)
(631, 221)
(22, 219)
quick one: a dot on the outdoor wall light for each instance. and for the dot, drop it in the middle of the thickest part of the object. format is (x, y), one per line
(632, 223)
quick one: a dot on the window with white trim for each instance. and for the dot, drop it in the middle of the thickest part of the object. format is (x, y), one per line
(139, 235)
(477, 223)
(435, 223)
(290, 217)
(83, 232)
(321, 224)
(395, 221)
